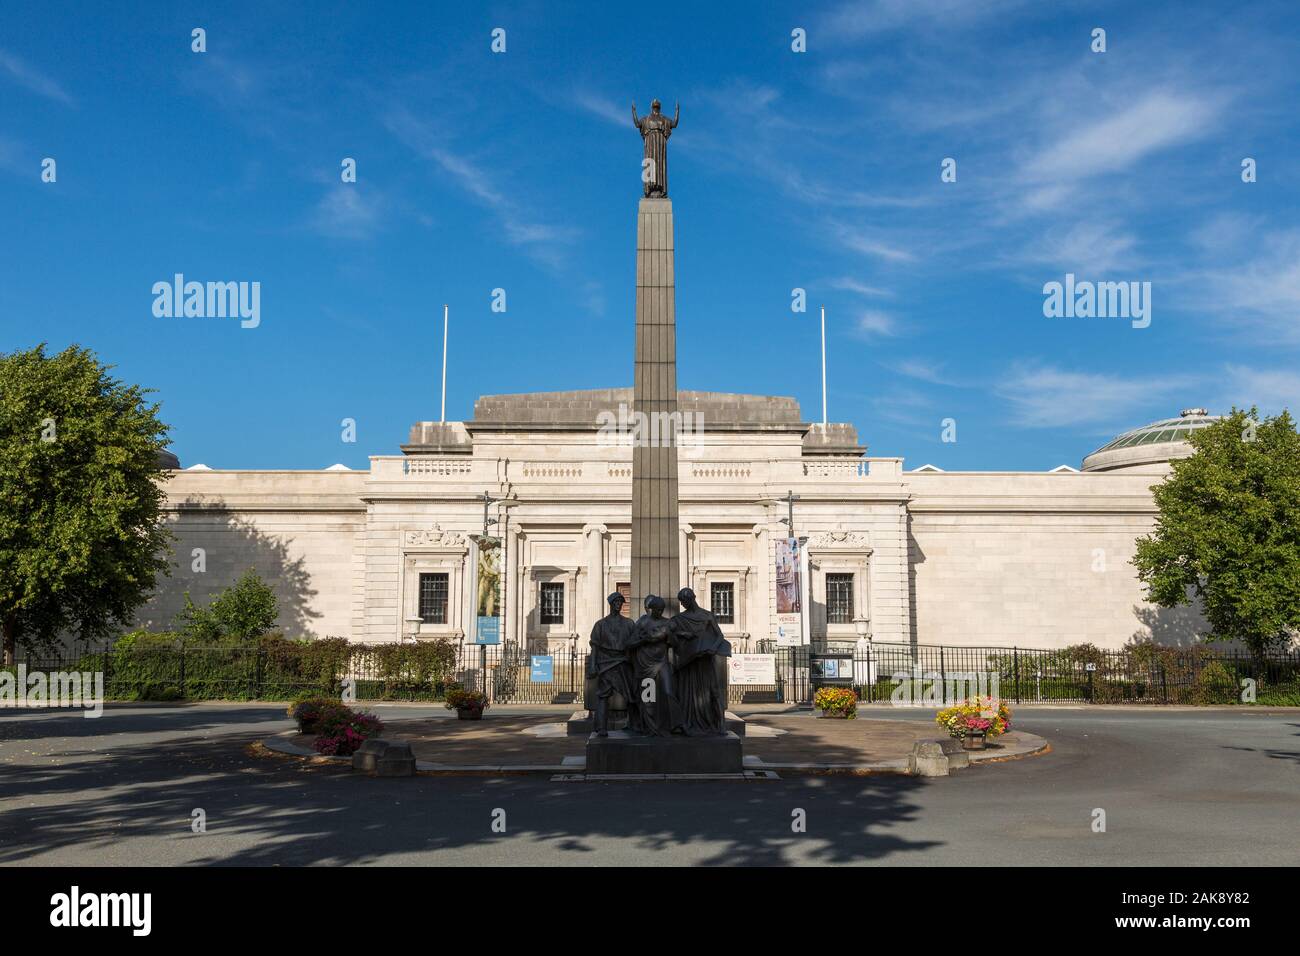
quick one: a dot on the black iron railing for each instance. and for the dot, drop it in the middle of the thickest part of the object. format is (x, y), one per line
(903, 673)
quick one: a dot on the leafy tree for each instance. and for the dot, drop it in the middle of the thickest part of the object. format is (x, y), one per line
(81, 533)
(244, 611)
(1229, 531)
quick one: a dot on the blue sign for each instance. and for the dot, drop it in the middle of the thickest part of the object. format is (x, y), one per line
(542, 670)
(488, 631)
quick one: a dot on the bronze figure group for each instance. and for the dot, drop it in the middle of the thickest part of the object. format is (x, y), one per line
(671, 672)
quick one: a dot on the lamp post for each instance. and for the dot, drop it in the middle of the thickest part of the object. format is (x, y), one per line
(501, 519)
(863, 627)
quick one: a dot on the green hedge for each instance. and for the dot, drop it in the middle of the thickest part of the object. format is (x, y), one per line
(164, 666)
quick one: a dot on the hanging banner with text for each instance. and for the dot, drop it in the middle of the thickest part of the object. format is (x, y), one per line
(789, 593)
(487, 592)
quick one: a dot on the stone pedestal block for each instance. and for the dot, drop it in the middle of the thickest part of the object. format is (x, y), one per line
(384, 759)
(621, 753)
(581, 723)
(927, 759)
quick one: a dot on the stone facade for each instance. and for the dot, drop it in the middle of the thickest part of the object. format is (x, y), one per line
(990, 558)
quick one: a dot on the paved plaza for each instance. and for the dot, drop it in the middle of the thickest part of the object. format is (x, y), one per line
(1178, 786)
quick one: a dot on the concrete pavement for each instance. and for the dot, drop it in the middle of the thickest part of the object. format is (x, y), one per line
(1184, 787)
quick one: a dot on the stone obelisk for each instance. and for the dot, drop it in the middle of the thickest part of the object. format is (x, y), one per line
(654, 455)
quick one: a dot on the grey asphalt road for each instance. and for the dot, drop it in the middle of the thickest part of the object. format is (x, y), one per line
(1181, 788)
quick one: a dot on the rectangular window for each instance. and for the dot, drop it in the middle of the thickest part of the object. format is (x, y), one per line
(722, 601)
(839, 599)
(552, 604)
(625, 588)
(433, 598)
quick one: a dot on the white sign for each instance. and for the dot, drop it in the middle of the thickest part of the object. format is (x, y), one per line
(753, 669)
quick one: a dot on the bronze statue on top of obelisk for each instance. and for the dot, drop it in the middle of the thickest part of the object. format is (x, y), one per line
(655, 528)
(655, 130)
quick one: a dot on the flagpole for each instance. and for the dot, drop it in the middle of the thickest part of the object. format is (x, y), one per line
(823, 367)
(444, 364)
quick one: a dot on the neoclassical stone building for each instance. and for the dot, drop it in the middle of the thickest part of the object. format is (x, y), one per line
(1033, 559)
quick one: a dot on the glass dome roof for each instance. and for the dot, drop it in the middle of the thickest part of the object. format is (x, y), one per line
(1170, 429)
(1157, 433)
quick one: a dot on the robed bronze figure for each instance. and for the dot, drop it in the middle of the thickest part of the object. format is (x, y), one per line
(609, 664)
(654, 710)
(700, 655)
(655, 130)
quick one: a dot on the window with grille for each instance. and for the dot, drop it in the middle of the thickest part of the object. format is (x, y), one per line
(625, 588)
(433, 598)
(552, 604)
(722, 601)
(839, 598)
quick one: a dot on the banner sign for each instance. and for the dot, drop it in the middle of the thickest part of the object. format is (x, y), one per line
(753, 669)
(487, 592)
(542, 669)
(789, 593)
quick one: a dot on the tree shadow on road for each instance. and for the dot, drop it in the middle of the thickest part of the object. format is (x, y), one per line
(265, 811)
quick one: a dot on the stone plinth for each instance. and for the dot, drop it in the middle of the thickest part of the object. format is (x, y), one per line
(621, 753)
(384, 759)
(655, 528)
(582, 723)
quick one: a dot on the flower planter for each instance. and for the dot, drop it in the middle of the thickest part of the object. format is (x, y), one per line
(974, 740)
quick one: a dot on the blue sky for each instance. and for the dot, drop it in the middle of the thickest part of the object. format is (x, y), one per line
(520, 171)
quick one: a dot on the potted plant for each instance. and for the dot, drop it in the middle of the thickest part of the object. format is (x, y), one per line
(974, 721)
(311, 711)
(343, 730)
(468, 704)
(836, 702)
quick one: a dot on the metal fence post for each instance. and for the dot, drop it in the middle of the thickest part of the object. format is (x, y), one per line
(1015, 671)
(183, 687)
(943, 674)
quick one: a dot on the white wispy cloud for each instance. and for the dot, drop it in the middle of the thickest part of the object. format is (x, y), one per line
(1122, 137)
(923, 371)
(871, 243)
(849, 284)
(27, 76)
(539, 239)
(1271, 389)
(861, 18)
(1260, 292)
(1089, 249)
(1043, 396)
(872, 322)
(346, 212)
(600, 106)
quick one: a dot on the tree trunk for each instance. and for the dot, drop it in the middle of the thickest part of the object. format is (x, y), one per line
(10, 638)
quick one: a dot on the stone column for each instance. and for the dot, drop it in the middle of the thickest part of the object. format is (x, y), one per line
(655, 530)
(593, 603)
(684, 565)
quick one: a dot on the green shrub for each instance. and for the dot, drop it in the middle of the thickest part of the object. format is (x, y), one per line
(1216, 684)
(243, 612)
